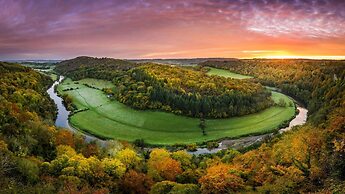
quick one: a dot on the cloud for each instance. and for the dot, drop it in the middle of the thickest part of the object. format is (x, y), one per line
(134, 28)
(316, 19)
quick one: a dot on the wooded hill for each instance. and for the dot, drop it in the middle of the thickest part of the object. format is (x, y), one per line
(188, 92)
(102, 68)
(172, 89)
(313, 82)
(27, 89)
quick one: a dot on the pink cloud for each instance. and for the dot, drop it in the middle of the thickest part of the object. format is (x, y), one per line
(195, 28)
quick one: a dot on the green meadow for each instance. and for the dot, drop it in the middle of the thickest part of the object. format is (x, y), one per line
(226, 73)
(107, 118)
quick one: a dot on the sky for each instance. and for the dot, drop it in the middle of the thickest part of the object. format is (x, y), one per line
(132, 29)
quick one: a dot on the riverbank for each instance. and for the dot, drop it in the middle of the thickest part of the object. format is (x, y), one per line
(63, 114)
(109, 119)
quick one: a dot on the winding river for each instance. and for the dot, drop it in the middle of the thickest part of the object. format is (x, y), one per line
(63, 121)
(300, 119)
(63, 113)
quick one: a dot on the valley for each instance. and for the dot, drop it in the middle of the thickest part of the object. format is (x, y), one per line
(107, 118)
(101, 141)
(172, 97)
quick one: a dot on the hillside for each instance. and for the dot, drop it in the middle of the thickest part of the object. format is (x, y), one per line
(81, 67)
(188, 92)
(311, 82)
(25, 88)
(183, 62)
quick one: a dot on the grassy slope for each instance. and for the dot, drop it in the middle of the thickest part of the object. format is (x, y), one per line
(100, 84)
(53, 76)
(111, 119)
(225, 73)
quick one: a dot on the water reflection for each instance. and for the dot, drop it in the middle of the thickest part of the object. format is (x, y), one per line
(63, 113)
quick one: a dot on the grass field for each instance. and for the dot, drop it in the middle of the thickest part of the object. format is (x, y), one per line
(110, 119)
(226, 73)
(53, 76)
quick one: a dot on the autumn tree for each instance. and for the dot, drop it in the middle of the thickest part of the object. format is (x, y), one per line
(136, 182)
(64, 137)
(91, 149)
(129, 158)
(221, 178)
(161, 166)
(184, 158)
(172, 187)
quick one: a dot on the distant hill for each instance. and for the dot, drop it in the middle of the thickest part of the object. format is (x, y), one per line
(84, 62)
(104, 68)
(191, 61)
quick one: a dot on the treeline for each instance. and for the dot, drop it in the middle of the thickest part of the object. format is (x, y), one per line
(39, 65)
(188, 92)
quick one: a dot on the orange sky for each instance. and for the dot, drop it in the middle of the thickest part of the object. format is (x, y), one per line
(44, 29)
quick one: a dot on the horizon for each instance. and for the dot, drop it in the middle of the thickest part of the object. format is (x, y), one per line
(335, 58)
(146, 29)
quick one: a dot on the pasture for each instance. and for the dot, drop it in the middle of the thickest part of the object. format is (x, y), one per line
(226, 73)
(107, 118)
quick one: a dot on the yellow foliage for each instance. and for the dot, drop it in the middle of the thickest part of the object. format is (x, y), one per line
(113, 167)
(3, 146)
(65, 150)
(159, 154)
(129, 158)
(183, 157)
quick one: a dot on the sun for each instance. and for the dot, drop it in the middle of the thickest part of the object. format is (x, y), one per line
(302, 57)
(281, 54)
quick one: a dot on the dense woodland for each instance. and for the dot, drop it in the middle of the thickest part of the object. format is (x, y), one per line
(318, 84)
(188, 92)
(35, 157)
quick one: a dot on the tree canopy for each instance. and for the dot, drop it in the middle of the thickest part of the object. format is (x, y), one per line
(189, 92)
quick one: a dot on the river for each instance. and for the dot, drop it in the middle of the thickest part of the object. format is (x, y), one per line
(300, 119)
(63, 114)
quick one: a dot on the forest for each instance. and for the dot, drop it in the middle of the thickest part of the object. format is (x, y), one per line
(188, 92)
(37, 157)
(314, 83)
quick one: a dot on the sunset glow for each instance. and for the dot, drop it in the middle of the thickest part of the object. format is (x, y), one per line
(47, 29)
(302, 57)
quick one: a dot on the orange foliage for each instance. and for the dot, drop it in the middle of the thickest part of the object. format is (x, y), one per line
(90, 150)
(162, 166)
(221, 179)
(136, 182)
(64, 137)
